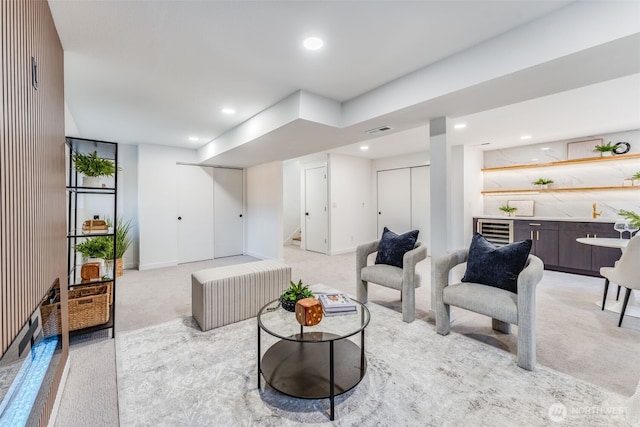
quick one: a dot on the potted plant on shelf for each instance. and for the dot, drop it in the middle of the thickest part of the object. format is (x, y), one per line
(296, 291)
(92, 167)
(94, 251)
(606, 149)
(123, 241)
(508, 210)
(636, 178)
(543, 182)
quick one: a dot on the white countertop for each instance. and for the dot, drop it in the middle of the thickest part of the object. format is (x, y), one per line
(549, 218)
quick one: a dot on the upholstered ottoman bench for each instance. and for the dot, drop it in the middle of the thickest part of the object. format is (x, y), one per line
(228, 294)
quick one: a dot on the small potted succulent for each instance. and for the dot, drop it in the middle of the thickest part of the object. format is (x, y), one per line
(543, 182)
(508, 210)
(92, 167)
(296, 291)
(606, 149)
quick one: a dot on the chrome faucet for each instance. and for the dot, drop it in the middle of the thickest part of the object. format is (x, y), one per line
(595, 214)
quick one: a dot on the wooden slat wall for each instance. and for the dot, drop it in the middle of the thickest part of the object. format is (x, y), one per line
(32, 166)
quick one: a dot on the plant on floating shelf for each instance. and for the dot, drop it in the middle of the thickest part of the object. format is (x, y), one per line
(508, 209)
(543, 181)
(633, 217)
(636, 175)
(606, 148)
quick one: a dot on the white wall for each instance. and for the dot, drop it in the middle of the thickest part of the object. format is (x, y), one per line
(264, 211)
(291, 198)
(350, 203)
(472, 196)
(157, 203)
(571, 204)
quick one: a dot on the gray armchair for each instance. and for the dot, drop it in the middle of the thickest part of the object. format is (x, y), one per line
(403, 279)
(504, 307)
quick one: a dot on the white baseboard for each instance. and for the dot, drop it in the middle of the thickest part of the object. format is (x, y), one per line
(157, 265)
(343, 251)
(56, 404)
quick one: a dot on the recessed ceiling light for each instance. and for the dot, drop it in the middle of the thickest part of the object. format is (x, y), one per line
(525, 137)
(228, 111)
(313, 43)
(364, 147)
(460, 126)
(193, 138)
(546, 148)
(534, 159)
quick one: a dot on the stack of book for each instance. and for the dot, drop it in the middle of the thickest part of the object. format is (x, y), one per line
(336, 304)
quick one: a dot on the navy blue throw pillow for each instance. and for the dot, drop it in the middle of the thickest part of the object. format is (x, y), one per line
(493, 266)
(392, 247)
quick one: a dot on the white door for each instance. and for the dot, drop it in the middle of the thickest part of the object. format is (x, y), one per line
(315, 235)
(228, 212)
(420, 202)
(195, 213)
(394, 200)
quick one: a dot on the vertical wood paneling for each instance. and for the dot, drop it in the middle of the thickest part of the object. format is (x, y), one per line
(32, 183)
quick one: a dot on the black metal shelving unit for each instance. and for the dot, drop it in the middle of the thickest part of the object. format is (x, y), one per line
(78, 194)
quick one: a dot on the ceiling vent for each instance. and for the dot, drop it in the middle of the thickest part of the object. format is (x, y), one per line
(378, 130)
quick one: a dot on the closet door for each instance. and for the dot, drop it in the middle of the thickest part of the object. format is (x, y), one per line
(394, 200)
(420, 203)
(195, 213)
(228, 212)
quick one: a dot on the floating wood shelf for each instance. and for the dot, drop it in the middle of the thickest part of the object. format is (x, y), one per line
(555, 190)
(564, 162)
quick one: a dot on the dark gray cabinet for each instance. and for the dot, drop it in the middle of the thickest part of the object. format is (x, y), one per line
(586, 259)
(544, 238)
(554, 242)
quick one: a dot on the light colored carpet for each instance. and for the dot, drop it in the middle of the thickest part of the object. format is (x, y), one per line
(173, 374)
(574, 336)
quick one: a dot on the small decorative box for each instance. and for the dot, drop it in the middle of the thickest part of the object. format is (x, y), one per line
(308, 311)
(90, 271)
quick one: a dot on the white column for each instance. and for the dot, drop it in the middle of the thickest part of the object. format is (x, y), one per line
(441, 197)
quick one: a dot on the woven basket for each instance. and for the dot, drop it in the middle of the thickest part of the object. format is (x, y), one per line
(88, 306)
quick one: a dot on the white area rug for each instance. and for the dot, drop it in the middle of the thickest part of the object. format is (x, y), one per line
(175, 375)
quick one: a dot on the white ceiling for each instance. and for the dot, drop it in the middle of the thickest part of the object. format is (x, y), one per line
(158, 72)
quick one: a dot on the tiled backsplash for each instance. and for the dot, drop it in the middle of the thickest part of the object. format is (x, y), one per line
(573, 204)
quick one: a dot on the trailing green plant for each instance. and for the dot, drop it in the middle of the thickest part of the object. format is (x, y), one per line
(96, 247)
(508, 209)
(604, 148)
(123, 239)
(633, 217)
(543, 181)
(92, 165)
(296, 292)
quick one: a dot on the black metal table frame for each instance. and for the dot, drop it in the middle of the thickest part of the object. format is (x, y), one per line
(332, 393)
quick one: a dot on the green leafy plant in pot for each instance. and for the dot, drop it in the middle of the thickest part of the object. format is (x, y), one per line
(633, 217)
(92, 167)
(543, 182)
(296, 291)
(123, 241)
(606, 149)
(99, 247)
(509, 210)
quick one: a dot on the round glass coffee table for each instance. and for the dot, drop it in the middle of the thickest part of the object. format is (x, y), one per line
(312, 362)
